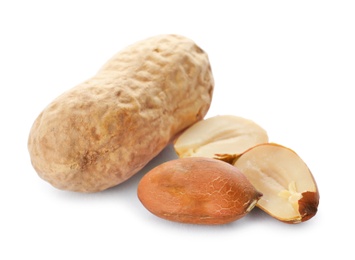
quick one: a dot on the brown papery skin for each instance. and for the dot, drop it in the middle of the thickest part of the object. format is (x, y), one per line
(308, 205)
(197, 191)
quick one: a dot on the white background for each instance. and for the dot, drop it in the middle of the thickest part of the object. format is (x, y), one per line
(287, 65)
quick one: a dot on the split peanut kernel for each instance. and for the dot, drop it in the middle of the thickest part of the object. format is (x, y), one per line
(225, 134)
(290, 193)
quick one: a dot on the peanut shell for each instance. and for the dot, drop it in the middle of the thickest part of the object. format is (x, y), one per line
(104, 130)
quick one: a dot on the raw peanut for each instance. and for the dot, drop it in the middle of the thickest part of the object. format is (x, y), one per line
(198, 191)
(290, 193)
(225, 134)
(101, 132)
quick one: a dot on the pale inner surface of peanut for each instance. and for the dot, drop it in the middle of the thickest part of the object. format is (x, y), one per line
(225, 134)
(280, 175)
(291, 195)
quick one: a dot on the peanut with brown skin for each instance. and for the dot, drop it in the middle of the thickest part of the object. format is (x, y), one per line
(197, 191)
(103, 131)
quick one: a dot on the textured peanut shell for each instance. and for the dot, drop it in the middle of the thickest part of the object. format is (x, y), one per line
(103, 131)
(197, 191)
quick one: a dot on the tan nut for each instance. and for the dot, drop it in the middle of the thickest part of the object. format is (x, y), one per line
(225, 134)
(290, 193)
(101, 132)
(197, 191)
